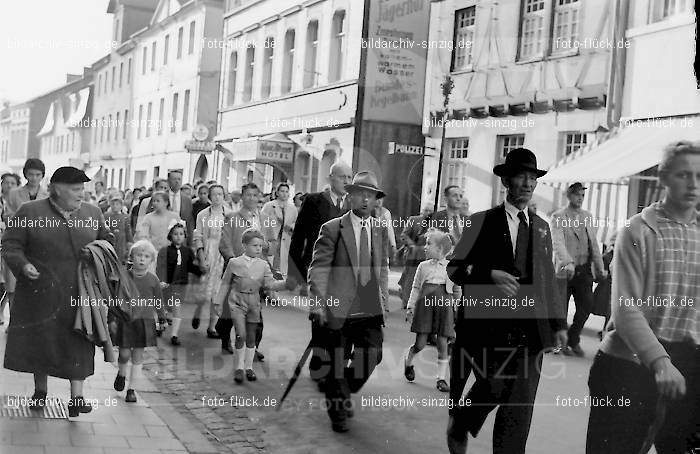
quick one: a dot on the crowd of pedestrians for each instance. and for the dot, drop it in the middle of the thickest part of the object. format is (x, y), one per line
(464, 280)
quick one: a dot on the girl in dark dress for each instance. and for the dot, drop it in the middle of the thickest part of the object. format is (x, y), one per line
(140, 332)
(175, 261)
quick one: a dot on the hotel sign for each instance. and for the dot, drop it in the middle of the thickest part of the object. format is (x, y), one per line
(272, 151)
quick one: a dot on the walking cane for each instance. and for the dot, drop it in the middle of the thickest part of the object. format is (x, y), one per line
(659, 419)
(297, 372)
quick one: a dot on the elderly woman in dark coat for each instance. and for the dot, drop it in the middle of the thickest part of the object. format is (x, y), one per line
(42, 246)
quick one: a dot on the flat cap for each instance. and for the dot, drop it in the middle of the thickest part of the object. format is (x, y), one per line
(576, 187)
(69, 175)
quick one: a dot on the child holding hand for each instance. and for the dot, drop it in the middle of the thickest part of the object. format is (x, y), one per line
(140, 332)
(240, 286)
(431, 305)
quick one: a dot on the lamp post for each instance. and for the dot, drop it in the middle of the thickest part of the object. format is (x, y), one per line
(447, 86)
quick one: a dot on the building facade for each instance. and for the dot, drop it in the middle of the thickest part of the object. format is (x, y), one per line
(112, 108)
(288, 93)
(530, 73)
(64, 137)
(176, 64)
(16, 136)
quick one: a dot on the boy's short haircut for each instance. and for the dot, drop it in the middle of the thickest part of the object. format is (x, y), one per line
(250, 234)
(143, 245)
(442, 239)
(675, 149)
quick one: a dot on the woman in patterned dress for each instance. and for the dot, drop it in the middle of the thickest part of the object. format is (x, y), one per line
(205, 240)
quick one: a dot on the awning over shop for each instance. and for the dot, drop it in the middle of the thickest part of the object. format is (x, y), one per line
(49, 122)
(632, 149)
(79, 103)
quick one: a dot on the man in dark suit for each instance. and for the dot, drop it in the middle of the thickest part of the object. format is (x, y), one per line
(508, 316)
(317, 209)
(349, 276)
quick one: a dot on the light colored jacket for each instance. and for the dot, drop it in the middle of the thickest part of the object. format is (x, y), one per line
(634, 278)
(204, 226)
(561, 234)
(20, 195)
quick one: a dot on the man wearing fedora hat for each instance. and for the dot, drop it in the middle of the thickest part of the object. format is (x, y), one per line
(508, 316)
(348, 278)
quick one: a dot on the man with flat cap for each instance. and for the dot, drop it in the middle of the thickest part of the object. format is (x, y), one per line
(349, 275)
(42, 248)
(508, 316)
(578, 261)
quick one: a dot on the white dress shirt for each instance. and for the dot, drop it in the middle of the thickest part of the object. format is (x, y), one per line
(513, 222)
(357, 229)
(174, 201)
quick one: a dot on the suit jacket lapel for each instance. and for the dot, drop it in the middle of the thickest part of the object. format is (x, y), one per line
(348, 234)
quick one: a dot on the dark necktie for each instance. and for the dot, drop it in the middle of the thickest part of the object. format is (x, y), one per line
(279, 238)
(521, 245)
(338, 205)
(365, 260)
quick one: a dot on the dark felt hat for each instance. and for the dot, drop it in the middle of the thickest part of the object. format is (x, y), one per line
(517, 160)
(69, 175)
(365, 180)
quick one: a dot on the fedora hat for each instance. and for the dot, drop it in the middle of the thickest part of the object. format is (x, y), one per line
(517, 160)
(365, 180)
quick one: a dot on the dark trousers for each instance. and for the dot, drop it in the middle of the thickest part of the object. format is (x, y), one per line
(630, 391)
(318, 365)
(365, 337)
(581, 287)
(507, 378)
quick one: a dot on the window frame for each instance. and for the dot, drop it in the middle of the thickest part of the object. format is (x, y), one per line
(232, 78)
(193, 31)
(469, 55)
(545, 14)
(288, 61)
(311, 73)
(249, 73)
(268, 60)
(339, 41)
(166, 49)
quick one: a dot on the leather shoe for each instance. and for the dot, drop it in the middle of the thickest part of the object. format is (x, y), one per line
(195, 322)
(212, 334)
(442, 386)
(408, 371)
(340, 425)
(38, 400)
(238, 376)
(227, 350)
(456, 438)
(259, 357)
(119, 383)
(130, 396)
(250, 375)
(175, 341)
(77, 405)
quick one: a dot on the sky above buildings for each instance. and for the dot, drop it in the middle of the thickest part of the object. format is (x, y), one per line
(43, 40)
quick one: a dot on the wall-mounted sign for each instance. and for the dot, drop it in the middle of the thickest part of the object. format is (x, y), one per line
(200, 133)
(397, 50)
(200, 146)
(273, 151)
(400, 148)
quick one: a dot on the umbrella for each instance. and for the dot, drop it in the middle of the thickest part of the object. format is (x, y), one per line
(297, 372)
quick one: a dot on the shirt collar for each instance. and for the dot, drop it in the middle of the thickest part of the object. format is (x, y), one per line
(663, 215)
(513, 211)
(439, 262)
(358, 221)
(248, 258)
